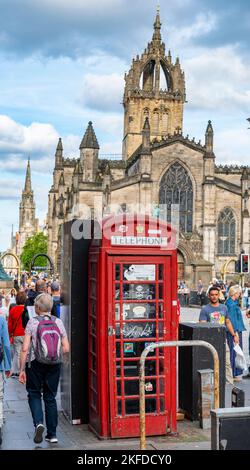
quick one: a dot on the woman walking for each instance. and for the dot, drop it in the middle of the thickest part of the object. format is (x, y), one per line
(235, 316)
(16, 330)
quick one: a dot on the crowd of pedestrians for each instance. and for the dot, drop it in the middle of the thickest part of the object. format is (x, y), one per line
(32, 342)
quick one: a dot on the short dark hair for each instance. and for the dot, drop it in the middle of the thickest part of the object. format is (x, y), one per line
(213, 288)
(21, 298)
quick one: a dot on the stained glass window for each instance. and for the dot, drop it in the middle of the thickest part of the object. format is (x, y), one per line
(176, 188)
(226, 232)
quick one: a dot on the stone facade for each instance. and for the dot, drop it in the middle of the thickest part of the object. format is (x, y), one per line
(159, 166)
(28, 224)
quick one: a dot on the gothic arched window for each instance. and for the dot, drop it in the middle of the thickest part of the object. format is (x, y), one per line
(176, 188)
(165, 122)
(226, 232)
(155, 121)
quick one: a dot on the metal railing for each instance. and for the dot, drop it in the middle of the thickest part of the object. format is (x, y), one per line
(164, 344)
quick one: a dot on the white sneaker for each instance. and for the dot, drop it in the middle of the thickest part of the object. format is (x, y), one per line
(38, 436)
(52, 440)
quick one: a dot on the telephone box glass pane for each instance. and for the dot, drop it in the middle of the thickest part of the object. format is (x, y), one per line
(150, 405)
(139, 330)
(132, 406)
(162, 385)
(118, 369)
(162, 404)
(117, 291)
(131, 387)
(117, 312)
(117, 330)
(161, 330)
(161, 272)
(150, 368)
(131, 369)
(139, 291)
(118, 349)
(138, 310)
(161, 310)
(161, 291)
(139, 272)
(117, 272)
(119, 407)
(161, 366)
(119, 388)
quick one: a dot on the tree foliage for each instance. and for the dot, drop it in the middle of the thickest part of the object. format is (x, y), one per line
(34, 245)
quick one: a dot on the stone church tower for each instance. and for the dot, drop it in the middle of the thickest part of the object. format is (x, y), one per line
(154, 89)
(28, 224)
(159, 167)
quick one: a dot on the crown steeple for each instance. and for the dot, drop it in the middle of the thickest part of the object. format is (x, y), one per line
(154, 88)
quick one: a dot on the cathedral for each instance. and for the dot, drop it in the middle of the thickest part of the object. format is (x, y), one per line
(159, 166)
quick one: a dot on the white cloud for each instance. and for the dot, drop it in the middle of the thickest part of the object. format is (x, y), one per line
(103, 92)
(9, 189)
(232, 146)
(218, 78)
(202, 25)
(15, 137)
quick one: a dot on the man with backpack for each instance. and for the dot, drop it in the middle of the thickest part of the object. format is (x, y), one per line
(45, 341)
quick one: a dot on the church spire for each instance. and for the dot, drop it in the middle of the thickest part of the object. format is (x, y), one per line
(157, 28)
(59, 154)
(89, 140)
(27, 187)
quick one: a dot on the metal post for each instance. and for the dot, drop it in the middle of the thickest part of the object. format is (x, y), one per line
(163, 344)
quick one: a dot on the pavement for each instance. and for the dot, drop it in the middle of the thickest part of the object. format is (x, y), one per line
(18, 428)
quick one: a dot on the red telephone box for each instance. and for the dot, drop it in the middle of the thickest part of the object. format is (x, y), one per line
(132, 302)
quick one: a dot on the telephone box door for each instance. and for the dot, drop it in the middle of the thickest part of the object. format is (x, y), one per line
(139, 314)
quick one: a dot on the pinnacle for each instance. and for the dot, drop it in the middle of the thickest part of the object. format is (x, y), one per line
(89, 139)
(59, 145)
(146, 124)
(157, 27)
(209, 127)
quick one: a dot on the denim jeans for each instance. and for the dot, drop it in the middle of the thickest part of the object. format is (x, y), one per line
(43, 379)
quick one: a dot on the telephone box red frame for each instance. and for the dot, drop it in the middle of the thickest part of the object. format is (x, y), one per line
(109, 406)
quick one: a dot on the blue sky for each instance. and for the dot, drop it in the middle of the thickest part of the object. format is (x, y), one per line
(62, 64)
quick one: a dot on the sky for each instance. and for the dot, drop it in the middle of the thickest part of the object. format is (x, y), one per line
(62, 64)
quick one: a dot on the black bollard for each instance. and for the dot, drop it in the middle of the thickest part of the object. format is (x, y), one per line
(238, 397)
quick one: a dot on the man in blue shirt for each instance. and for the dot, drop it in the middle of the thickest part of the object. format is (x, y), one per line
(215, 312)
(5, 365)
